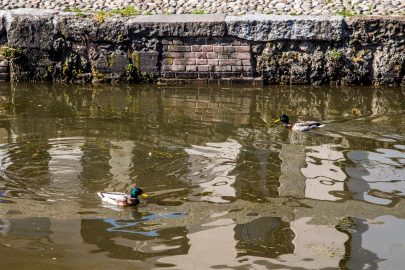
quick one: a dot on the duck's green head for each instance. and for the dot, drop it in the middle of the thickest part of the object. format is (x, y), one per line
(135, 192)
(283, 119)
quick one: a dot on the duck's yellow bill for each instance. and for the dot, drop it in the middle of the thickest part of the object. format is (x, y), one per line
(277, 120)
(144, 195)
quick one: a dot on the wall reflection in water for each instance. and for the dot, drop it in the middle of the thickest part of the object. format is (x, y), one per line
(204, 151)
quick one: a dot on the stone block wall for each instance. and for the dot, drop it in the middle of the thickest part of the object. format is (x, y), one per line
(317, 50)
(207, 59)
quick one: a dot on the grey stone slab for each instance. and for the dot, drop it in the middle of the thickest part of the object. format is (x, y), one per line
(75, 28)
(178, 25)
(279, 27)
(26, 30)
(148, 62)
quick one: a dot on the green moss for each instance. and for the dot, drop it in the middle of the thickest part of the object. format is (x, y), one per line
(78, 11)
(269, 12)
(135, 57)
(70, 9)
(101, 15)
(126, 12)
(9, 52)
(198, 11)
(65, 68)
(169, 60)
(110, 60)
(148, 13)
(335, 55)
(346, 13)
(77, 74)
(97, 75)
(129, 68)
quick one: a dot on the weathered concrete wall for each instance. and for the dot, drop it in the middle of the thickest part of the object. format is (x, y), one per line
(62, 46)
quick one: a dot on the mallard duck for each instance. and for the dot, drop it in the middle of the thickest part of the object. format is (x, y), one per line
(123, 199)
(300, 126)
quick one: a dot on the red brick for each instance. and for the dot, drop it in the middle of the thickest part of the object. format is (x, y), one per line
(179, 61)
(246, 63)
(179, 48)
(229, 62)
(204, 75)
(201, 61)
(190, 61)
(167, 42)
(207, 48)
(224, 55)
(213, 62)
(191, 68)
(241, 56)
(189, 55)
(242, 49)
(223, 68)
(187, 75)
(247, 68)
(178, 68)
(218, 48)
(229, 49)
(201, 55)
(169, 75)
(204, 68)
(237, 68)
(175, 55)
(196, 48)
(212, 55)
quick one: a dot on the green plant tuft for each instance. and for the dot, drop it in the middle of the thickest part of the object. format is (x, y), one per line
(335, 55)
(345, 13)
(126, 12)
(70, 9)
(101, 15)
(9, 52)
(198, 11)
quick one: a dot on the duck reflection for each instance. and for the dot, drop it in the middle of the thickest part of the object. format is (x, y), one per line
(134, 239)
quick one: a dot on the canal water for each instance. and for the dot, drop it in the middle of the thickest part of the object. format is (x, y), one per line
(229, 188)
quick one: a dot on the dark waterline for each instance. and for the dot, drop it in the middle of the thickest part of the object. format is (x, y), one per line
(229, 188)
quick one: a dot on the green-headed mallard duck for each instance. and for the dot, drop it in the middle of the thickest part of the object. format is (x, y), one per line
(300, 126)
(123, 199)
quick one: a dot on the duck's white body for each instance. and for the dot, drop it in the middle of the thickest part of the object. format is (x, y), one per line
(305, 126)
(114, 198)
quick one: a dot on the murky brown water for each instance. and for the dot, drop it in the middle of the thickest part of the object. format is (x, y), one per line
(229, 188)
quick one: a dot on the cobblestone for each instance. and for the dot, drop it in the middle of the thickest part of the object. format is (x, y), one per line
(230, 7)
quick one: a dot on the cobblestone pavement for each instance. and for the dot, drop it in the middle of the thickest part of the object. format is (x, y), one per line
(232, 7)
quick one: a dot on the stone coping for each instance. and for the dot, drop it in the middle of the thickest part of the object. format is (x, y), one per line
(257, 28)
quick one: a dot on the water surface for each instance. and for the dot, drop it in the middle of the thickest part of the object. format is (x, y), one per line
(229, 188)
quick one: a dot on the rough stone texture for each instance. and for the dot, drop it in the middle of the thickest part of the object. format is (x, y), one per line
(30, 31)
(274, 49)
(271, 28)
(178, 26)
(2, 26)
(147, 62)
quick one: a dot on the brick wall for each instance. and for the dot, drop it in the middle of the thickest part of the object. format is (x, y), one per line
(206, 59)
